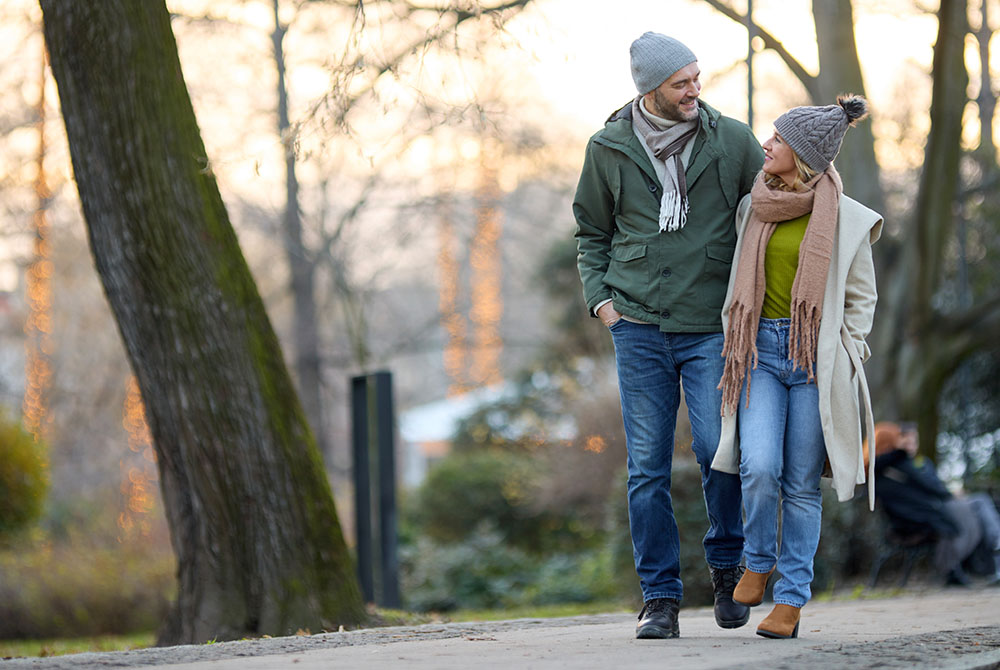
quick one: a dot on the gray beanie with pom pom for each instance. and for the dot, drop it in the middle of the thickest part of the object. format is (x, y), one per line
(815, 133)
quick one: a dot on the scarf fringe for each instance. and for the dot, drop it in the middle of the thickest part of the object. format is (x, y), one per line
(673, 211)
(741, 337)
(803, 337)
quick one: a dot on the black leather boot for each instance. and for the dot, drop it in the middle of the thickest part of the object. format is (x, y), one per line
(728, 614)
(658, 619)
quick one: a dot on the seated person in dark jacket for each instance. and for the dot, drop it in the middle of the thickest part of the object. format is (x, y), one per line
(920, 506)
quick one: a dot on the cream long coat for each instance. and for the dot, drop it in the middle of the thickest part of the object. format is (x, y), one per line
(848, 311)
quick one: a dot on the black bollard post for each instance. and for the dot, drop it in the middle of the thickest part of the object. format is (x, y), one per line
(362, 486)
(375, 488)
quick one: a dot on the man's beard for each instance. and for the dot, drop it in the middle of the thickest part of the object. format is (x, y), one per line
(671, 110)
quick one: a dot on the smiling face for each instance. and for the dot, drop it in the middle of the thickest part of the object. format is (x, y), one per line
(779, 159)
(676, 99)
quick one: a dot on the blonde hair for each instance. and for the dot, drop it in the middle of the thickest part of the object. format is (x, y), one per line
(805, 173)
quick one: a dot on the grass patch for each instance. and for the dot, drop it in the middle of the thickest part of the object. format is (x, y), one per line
(537, 611)
(59, 647)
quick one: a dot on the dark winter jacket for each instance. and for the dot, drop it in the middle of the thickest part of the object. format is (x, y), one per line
(674, 279)
(912, 495)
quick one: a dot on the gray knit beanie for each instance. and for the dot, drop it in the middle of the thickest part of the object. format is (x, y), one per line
(655, 58)
(815, 133)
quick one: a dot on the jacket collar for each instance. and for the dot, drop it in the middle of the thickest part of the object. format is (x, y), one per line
(618, 134)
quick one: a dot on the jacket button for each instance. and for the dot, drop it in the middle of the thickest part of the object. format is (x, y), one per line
(665, 314)
(666, 272)
(652, 188)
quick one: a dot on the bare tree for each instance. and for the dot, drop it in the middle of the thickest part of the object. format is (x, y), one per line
(252, 518)
(301, 266)
(346, 96)
(839, 72)
(921, 336)
(932, 337)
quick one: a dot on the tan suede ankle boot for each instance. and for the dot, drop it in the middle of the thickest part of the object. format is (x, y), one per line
(781, 623)
(750, 590)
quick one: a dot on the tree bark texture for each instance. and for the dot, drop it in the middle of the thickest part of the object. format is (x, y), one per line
(252, 518)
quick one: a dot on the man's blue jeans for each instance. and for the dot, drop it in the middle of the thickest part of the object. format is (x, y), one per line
(651, 368)
(782, 453)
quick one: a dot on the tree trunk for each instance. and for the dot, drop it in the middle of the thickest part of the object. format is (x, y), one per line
(840, 72)
(253, 523)
(301, 266)
(920, 351)
(987, 100)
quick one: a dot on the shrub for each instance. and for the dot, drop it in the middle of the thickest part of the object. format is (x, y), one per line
(85, 582)
(482, 572)
(500, 488)
(23, 477)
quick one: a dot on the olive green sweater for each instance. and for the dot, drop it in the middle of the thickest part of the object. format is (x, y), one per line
(781, 262)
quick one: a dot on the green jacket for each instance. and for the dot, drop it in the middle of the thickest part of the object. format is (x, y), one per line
(677, 279)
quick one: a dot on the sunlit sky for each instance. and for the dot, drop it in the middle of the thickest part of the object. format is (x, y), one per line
(582, 50)
(567, 58)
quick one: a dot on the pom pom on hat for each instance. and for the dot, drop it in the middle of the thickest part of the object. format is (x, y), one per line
(854, 106)
(816, 133)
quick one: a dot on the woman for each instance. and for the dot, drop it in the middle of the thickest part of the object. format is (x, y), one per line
(800, 303)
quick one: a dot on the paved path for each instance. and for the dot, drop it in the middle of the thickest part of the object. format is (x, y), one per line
(940, 629)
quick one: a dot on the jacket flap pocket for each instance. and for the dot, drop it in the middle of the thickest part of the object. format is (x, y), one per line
(720, 252)
(629, 252)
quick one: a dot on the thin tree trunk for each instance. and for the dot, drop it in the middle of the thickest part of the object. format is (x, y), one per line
(925, 354)
(987, 100)
(840, 72)
(301, 266)
(38, 290)
(252, 518)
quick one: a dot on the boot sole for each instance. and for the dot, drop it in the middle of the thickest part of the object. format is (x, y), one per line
(652, 632)
(733, 623)
(778, 636)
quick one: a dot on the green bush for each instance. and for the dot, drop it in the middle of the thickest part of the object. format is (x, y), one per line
(485, 572)
(575, 578)
(476, 535)
(482, 572)
(86, 581)
(501, 488)
(23, 477)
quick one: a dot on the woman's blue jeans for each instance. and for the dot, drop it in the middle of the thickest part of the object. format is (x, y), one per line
(652, 366)
(782, 454)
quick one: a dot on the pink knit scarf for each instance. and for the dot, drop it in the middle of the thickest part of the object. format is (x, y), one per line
(769, 208)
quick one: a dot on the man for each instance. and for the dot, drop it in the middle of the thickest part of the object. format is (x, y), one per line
(917, 502)
(655, 211)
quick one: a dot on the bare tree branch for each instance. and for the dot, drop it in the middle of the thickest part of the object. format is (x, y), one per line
(771, 42)
(433, 36)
